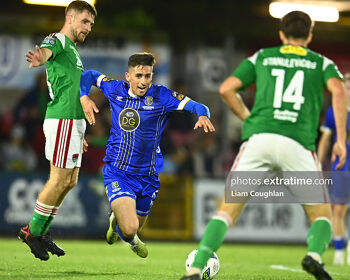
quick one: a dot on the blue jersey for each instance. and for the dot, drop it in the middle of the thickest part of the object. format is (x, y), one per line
(137, 125)
(330, 125)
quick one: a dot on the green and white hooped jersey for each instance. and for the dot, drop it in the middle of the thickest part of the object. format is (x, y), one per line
(64, 70)
(290, 82)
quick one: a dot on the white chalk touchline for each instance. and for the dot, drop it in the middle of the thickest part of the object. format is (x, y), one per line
(282, 267)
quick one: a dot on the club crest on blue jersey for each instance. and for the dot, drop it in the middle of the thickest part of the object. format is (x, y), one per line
(129, 119)
(177, 95)
(148, 100)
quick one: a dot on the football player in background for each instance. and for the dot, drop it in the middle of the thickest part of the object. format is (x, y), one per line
(140, 111)
(281, 129)
(64, 124)
(340, 190)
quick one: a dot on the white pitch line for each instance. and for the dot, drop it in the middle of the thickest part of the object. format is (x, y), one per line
(282, 267)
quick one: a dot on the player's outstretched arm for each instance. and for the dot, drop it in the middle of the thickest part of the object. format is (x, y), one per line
(324, 144)
(203, 121)
(203, 114)
(88, 78)
(39, 57)
(339, 104)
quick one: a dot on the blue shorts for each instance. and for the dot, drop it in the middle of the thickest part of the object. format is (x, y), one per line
(144, 189)
(339, 191)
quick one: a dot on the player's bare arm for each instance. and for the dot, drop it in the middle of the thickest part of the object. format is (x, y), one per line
(39, 57)
(89, 108)
(229, 93)
(203, 121)
(339, 104)
(324, 144)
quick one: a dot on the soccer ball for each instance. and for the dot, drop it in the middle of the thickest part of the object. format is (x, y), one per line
(210, 270)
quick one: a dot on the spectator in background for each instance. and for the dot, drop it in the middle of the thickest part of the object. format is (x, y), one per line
(207, 162)
(340, 190)
(16, 154)
(30, 113)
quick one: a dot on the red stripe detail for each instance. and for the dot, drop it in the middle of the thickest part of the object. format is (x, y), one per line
(43, 211)
(54, 160)
(324, 188)
(43, 207)
(239, 156)
(67, 143)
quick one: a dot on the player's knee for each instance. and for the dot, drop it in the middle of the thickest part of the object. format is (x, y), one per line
(72, 183)
(129, 230)
(339, 212)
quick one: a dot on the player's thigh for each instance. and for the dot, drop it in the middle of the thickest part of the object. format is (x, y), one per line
(147, 195)
(317, 211)
(62, 176)
(124, 209)
(64, 142)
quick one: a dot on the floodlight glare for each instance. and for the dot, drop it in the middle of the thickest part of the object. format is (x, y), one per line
(316, 12)
(54, 2)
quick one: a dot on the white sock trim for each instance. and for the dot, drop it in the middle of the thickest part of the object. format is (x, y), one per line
(324, 219)
(44, 205)
(223, 216)
(315, 256)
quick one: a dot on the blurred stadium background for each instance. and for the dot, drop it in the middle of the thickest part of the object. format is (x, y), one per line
(197, 44)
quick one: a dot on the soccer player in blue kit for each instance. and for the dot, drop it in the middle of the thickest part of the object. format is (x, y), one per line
(340, 190)
(140, 112)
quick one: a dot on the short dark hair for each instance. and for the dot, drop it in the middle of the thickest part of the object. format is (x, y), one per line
(81, 6)
(145, 59)
(297, 25)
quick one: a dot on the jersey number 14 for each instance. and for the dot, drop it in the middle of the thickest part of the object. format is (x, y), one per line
(294, 91)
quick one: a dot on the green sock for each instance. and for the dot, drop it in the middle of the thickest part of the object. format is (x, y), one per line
(37, 223)
(319, 236)
(47, 224)
(213, 237)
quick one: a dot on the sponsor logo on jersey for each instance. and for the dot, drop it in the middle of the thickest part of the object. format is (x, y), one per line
(75, 158)
(107, 79)
(79, 63)
(177, 95)
(129, 119)
(293, 50)
(148, 100)
(50, 40)
(119, 98)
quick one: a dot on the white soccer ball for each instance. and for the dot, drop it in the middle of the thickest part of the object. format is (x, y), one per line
(210, 270)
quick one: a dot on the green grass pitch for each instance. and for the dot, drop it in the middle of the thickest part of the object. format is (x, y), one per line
(96, 260)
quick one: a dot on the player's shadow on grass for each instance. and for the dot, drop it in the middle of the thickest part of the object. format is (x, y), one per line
(62, 274)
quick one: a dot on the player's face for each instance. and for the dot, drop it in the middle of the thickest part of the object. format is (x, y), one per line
(139, 78)
(81, 25)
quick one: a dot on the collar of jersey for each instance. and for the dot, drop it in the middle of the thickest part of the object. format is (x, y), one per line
(131, 94)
